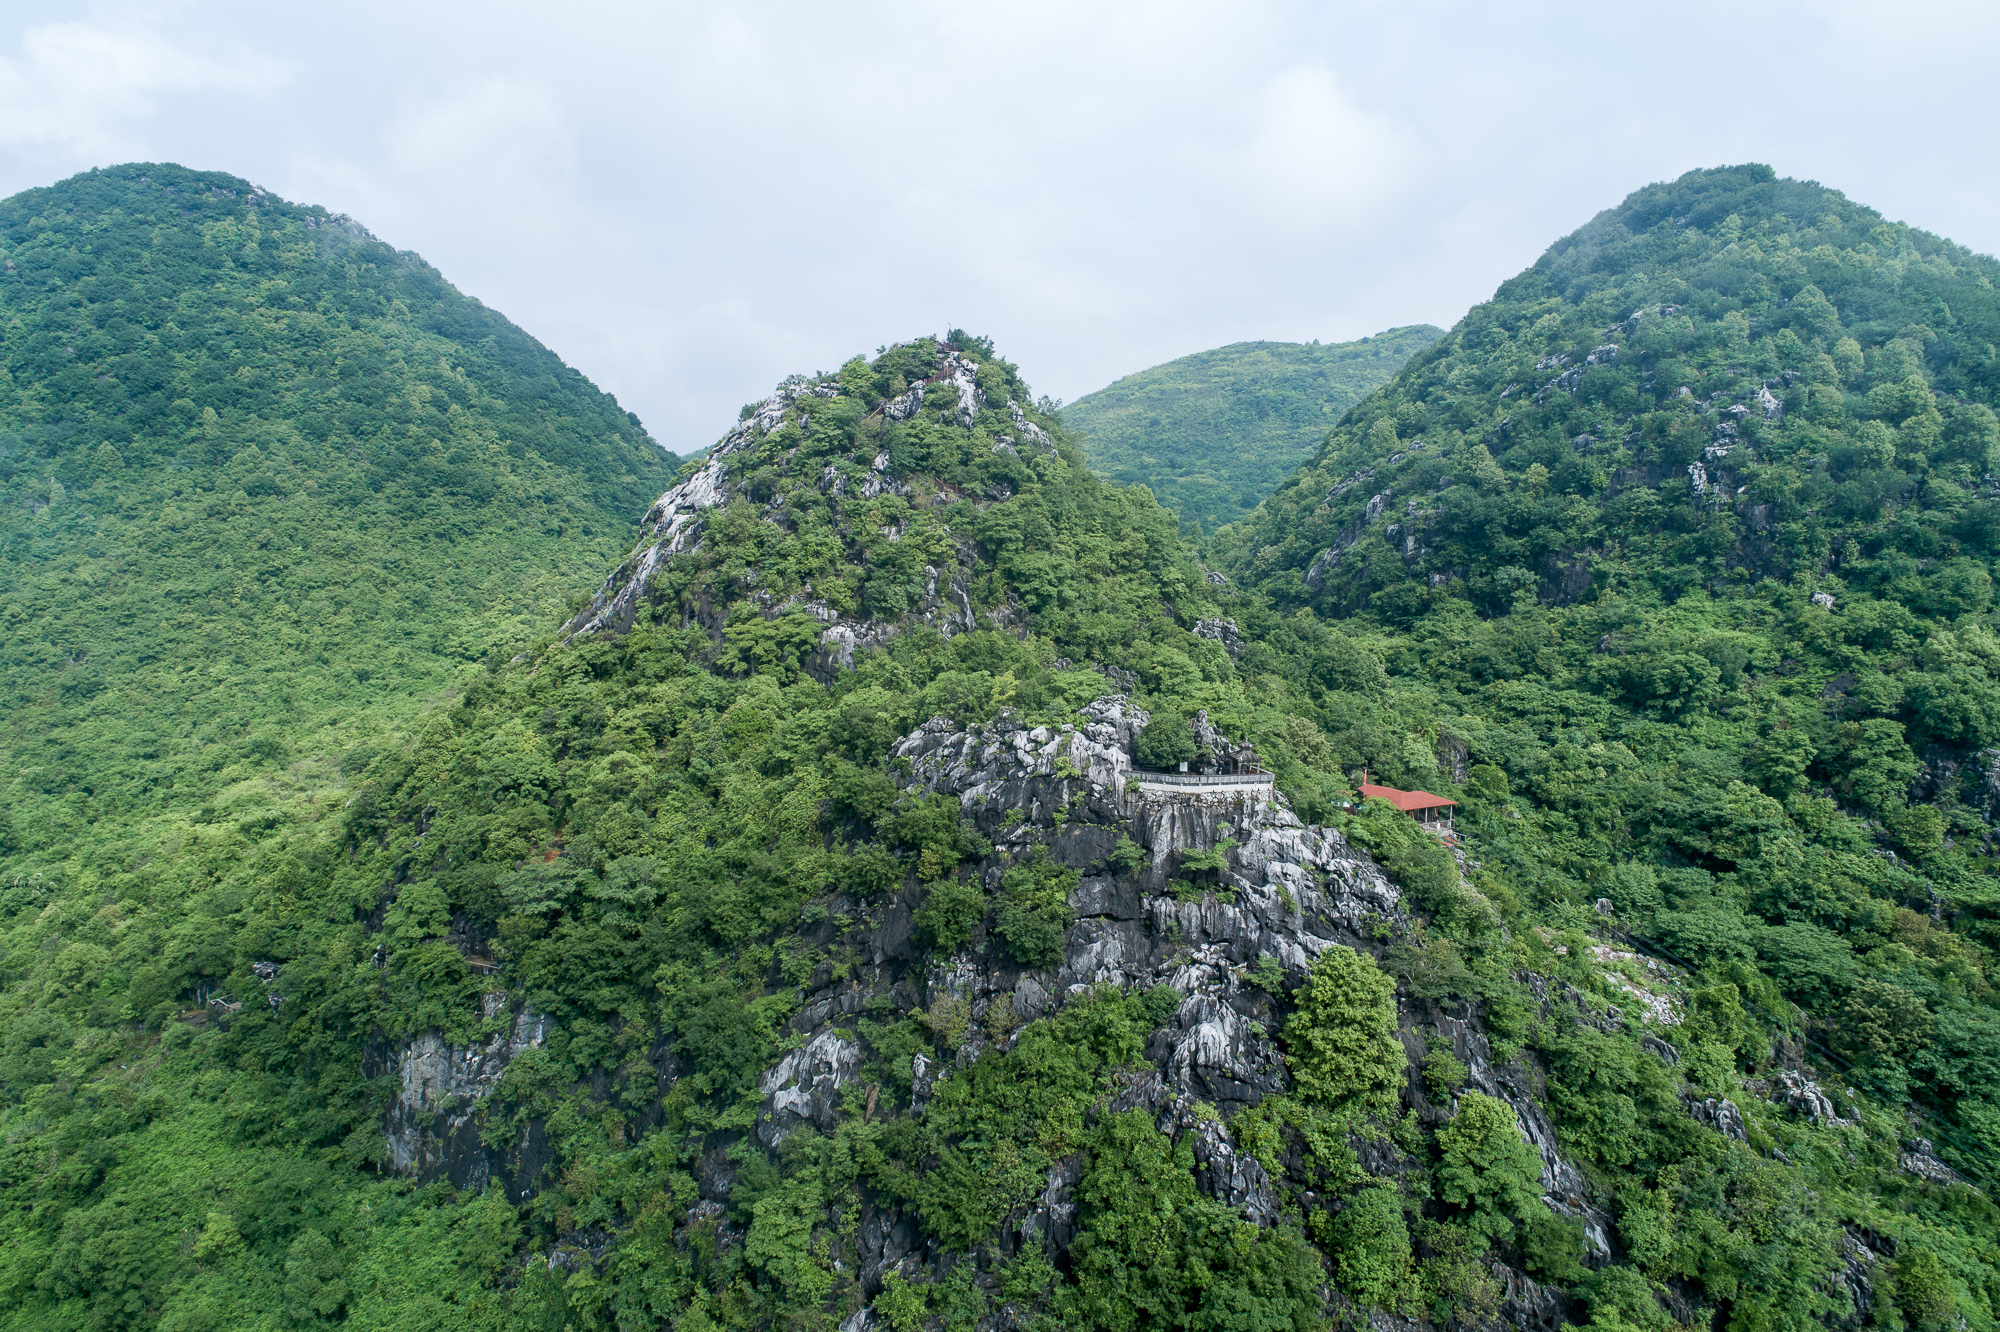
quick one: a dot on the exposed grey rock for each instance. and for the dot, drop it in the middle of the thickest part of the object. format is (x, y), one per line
(1315, 576)
(433, 1122)
(1030, 432)
(804, 1086)
(1221, 631)
(1803, 1097)
(1919, 1158)
(1720, 1115)
(1853, 1282)
(674, 524)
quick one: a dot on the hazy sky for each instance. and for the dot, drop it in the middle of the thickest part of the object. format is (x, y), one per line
(689, 201)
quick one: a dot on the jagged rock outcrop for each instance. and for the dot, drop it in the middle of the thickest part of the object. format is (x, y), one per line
(1720, 1115)
(434, 1124)
(1286, 891)
(675, 522)
(1803, 1097)
(1919, 1158)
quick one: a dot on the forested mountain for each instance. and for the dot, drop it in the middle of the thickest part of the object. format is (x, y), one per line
(1216, 432)
(817, 930)
(267, 487)
(1686, 541)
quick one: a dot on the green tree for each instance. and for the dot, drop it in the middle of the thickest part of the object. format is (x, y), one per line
(1033, 910)
(1341, 1039)
(315, 1287)
(1166, 740)
(1487, 1167)
(1924, 1288)
(1370, 1248)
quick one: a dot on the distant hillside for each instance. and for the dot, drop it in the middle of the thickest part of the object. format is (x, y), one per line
(267, 486)
(1215, 432)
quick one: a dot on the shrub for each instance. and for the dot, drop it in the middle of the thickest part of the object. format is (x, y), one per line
(1925, 1288)
(1166, 741)
(951, 910)
(1342, 1039)
(1488, 1167)
(1033, 910)
(1370, 1245)
(1153, 1251)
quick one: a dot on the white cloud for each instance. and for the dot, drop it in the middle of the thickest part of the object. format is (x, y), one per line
(498, 124)
(1312, 154)
(78, 87)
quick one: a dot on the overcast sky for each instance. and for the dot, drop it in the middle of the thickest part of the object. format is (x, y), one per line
(690, 201)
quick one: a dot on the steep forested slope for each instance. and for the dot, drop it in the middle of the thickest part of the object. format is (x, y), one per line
(1215, 432)
(815, 934)
(1684, 544)
(266, 487)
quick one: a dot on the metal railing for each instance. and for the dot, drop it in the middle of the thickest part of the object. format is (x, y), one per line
(1205, 779)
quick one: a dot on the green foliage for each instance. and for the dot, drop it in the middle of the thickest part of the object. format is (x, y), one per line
(1369, 1242)
(1925, 1289)
(1151, 1251)
(1341, 1038)
(951, 911)
(314, 1288)
(1128, 855)
(1215, 432)
(1033, 909)
(1487, 1167)
(1165, 741)
(1444, 1073)
(309, 486)
(666, 843)
(984, 1144)
(1763, 676)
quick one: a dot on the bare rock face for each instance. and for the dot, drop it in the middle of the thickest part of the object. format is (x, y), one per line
(804, 1086)
(1285, 891)
(1720, 1115)
(675, 522)
(1803, 1097)
(1919, 1158)
(434, 1124)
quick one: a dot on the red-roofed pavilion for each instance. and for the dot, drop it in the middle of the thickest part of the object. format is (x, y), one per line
(1420, 805)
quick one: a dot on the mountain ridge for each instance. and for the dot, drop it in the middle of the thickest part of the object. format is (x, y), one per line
(1214, 432)
(272, 451)
(818, 930)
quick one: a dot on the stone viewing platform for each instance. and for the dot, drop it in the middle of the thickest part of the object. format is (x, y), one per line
(1228, 785)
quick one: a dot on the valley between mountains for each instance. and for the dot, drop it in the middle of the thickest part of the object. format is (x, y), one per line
(465, 867)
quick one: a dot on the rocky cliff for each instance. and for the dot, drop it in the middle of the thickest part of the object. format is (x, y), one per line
(1287, 891)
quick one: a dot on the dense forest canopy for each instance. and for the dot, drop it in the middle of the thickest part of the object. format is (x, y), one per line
(1686, 542)
(1216, 432)
(501, 1029)
(269, 487)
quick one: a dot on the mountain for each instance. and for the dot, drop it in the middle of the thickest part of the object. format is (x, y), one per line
(1215, 432)
(1682, 549)
(815, 927)
(271, 488)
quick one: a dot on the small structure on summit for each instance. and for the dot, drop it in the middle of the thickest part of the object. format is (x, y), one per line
(1216, 755)
(1432, 811)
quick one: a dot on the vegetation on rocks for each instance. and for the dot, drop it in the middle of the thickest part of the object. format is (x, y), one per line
(637, 985)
